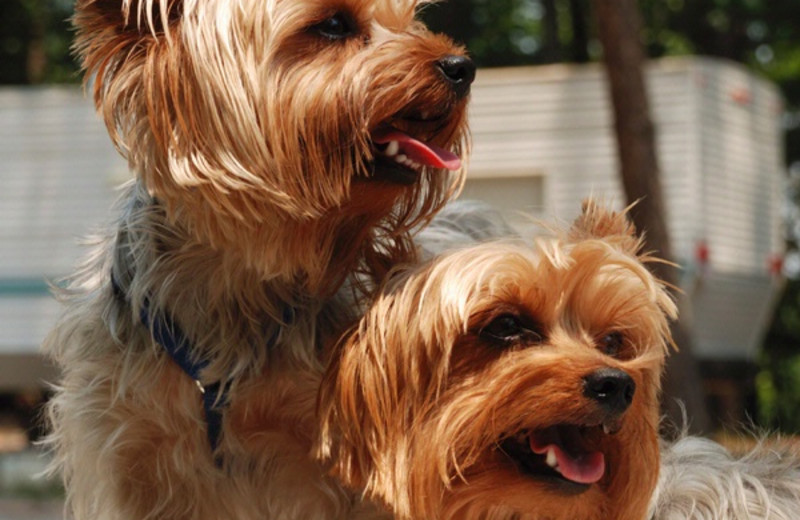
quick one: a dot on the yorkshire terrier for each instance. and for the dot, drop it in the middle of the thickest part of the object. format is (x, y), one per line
(500, 381)
(283, 151)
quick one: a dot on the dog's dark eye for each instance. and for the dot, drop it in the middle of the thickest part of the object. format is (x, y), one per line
(338, 27)
(510, 328)
(611, 344)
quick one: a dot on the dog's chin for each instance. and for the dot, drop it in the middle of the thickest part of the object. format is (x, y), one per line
(562, 459)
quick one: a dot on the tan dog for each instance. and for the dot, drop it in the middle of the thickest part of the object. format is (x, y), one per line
(281, 147)
(505, 382)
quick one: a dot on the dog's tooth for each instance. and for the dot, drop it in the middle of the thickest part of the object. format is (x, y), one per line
(551, 459)
(411, 163)
(606, 428)
(392, 148)
(400, 158)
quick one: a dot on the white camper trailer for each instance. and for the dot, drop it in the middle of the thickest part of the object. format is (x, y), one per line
(543, 141)
(57, 182)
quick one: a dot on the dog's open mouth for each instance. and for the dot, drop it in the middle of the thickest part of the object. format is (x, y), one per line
(563, 454)
(400, 158)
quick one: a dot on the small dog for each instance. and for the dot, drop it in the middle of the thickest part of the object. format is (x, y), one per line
(504, 382)
(283, 151)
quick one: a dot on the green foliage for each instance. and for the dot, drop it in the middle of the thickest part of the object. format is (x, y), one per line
(496, 32)
(35, 38)
(515, 32)
(778, 382)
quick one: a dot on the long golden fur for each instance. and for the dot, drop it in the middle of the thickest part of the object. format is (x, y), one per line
(260, 190)
(466, 364)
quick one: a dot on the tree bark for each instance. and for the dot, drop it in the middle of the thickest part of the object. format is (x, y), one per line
(619, 29)
(580, 33)
(36, 62)
(551, 48)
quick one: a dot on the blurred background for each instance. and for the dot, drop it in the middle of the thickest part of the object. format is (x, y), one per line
(691, 106)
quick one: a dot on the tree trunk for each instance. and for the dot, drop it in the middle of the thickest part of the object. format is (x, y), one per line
(551, 47)
(619, 28)
(36, 62)
(580, 32)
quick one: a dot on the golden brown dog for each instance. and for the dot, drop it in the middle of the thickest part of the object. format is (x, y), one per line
(282, 148)
(507, 382)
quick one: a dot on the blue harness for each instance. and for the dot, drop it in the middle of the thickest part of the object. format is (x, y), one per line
(168, 334)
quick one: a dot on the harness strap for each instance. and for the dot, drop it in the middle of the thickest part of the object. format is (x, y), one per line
(168, 334)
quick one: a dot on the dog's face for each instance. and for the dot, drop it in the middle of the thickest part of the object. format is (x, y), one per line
(504, 382)
(251, 115)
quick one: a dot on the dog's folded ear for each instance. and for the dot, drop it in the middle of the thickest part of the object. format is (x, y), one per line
(115, 40)
(151, 17)
(599, 221)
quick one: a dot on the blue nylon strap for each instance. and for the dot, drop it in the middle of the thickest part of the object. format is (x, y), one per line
(172, 339)
(212, 404)
(167, 333)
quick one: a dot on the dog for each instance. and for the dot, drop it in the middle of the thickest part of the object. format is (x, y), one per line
(500, 381)
(283, 152)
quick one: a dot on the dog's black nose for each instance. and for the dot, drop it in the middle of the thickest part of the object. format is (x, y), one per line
(459, 71)
(610, 387)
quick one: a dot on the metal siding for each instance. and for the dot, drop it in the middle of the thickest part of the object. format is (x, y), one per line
(741, 160)
(557, 120)
(720, 161)
(520, 199)
(57, 177)
(24, 322)
(58, 181)
(730, 313)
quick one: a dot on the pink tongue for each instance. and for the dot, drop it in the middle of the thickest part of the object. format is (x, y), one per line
(423, 153)
(584, 469)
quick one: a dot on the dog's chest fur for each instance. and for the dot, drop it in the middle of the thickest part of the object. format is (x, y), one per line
(131, 409)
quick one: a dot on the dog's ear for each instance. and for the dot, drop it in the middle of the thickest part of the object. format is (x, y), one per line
(381, 378)
(114, 36)
(344, 418)
(599, 221)
(127, 17)
(356, 406)
(129, 52)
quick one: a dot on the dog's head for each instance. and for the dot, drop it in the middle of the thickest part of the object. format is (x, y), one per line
(501, 381)
(249, 117)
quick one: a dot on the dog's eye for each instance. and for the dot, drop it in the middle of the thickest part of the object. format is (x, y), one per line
(338, 27)
(510, 328)
(611, 344)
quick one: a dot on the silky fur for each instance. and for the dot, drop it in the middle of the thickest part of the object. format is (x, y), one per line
(255, 133)
(254, 201)
(415, 402)
(701, 480)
